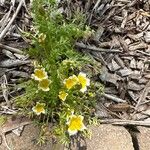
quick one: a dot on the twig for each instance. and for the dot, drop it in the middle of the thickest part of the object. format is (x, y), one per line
(5, 90)
(5, 141)
(116, 99)
(5, 19)
(15, 50)
(13, 63)
(144, 53)
(81, 45)
(12, 19)
(143, 95)
(126, 122)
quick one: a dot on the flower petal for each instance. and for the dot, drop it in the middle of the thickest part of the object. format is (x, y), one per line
(62, 95)
(83, 89)
(84, 81)
(72, 132)
(75, 123)
(70, 82)
(39, 108)
(39, 74)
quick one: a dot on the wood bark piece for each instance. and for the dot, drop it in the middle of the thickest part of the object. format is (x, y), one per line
(19, 74)
(126, 122)
(125, 16)
(124, 72)
(147, 37)
(113, 66)
(137, 47)
(8, 54)
(93, 48)
(134, 86)
(15, 50)
(119, 61)
(5, 90)
(140, 64)
(143, 95)
(13, 63)
(116, 99)
(136, 75)
(133, 64)
(105, 76)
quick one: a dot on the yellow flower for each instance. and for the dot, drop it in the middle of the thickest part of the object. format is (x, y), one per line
(62, 95)
(39, 74)
(71, 81)
(84, 81)
(39, 108)
(75, 124)
(44, 84)
(41, 38)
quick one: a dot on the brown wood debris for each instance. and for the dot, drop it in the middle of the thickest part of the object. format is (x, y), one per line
(121, 43)
(14, 63)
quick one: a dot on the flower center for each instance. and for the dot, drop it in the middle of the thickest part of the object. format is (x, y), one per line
(40, 74)
(39, 108)
(44, 83)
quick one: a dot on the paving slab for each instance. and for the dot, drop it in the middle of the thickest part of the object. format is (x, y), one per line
(28, 140)
(143, 138)
(109, 137)
(104, 137)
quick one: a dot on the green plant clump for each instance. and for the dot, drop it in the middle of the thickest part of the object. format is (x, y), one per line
(59, 92)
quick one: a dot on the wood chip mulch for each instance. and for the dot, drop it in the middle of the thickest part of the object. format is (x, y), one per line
(121, 43)
(15, 19)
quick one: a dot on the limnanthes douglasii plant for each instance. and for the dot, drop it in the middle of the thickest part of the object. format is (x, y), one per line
(59, 92)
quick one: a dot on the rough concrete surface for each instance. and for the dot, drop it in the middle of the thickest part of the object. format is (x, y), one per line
(27, 141)
(143, 138)
(108, 137)
(104, 137)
